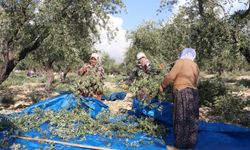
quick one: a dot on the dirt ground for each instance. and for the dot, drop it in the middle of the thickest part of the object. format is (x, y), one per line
(15, 98)
(115, 106)
(19, 97)
(246, 92)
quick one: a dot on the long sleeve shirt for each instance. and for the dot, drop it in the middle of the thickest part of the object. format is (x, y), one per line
(88, 69)
(148, 69)
(185, 73)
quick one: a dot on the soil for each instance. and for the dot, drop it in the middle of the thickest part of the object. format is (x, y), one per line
(19, 97)
(15, 98)
(117, 105)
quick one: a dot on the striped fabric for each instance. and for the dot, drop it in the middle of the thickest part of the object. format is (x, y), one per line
(186, 115)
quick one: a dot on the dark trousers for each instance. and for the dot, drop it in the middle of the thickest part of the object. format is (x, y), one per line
(186, 115)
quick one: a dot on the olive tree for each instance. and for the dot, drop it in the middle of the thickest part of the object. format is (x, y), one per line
(54, 27)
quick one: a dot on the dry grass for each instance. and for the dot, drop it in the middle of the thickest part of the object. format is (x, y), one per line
(117, 105)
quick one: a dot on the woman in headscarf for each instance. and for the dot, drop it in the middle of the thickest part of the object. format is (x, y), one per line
(93, 69)
(143, 65)
(184, 76)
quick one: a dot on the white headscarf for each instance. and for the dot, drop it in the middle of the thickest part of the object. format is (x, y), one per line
(187, 53)
(96, 56)
(140, 55)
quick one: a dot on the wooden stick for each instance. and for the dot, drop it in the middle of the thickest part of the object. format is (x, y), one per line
(63, 143)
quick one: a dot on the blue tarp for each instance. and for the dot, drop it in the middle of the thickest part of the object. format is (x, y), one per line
(115, 96)
(216, 136)
(68, 101)
(211, 135)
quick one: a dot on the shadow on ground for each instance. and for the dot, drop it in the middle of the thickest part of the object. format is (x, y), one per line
(244, 82)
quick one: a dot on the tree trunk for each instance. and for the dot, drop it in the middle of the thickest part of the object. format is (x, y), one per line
(238, 16)
(201, 8)
(9, 65)
(245, 52)
(50, 78)
(6, 69)
(10, 60)
(64, 74)
(49, 73)
(220, 69)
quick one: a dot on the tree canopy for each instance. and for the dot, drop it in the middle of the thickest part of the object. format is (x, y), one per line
(50, 30)
(218, 37)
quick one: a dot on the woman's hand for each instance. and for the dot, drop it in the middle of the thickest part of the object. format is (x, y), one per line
(83, 70)
(161, 89)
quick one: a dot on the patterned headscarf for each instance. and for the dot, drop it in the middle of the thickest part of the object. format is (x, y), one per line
(187, 53)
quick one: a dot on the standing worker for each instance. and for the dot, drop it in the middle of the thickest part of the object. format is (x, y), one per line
(143, 65)
(184, 76)
(93, 68)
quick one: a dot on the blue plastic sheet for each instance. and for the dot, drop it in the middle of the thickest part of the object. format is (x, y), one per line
(161, 111)
(93, 106)
(64, 101)
(216, 136)
(68, 101)
(115, 96)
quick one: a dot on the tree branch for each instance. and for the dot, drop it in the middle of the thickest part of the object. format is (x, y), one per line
(15, 37)
(10, 64)
(201, 7)
(246, 13)
(239, 15)
(32, 46)
(245, 52)
(62, 13)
